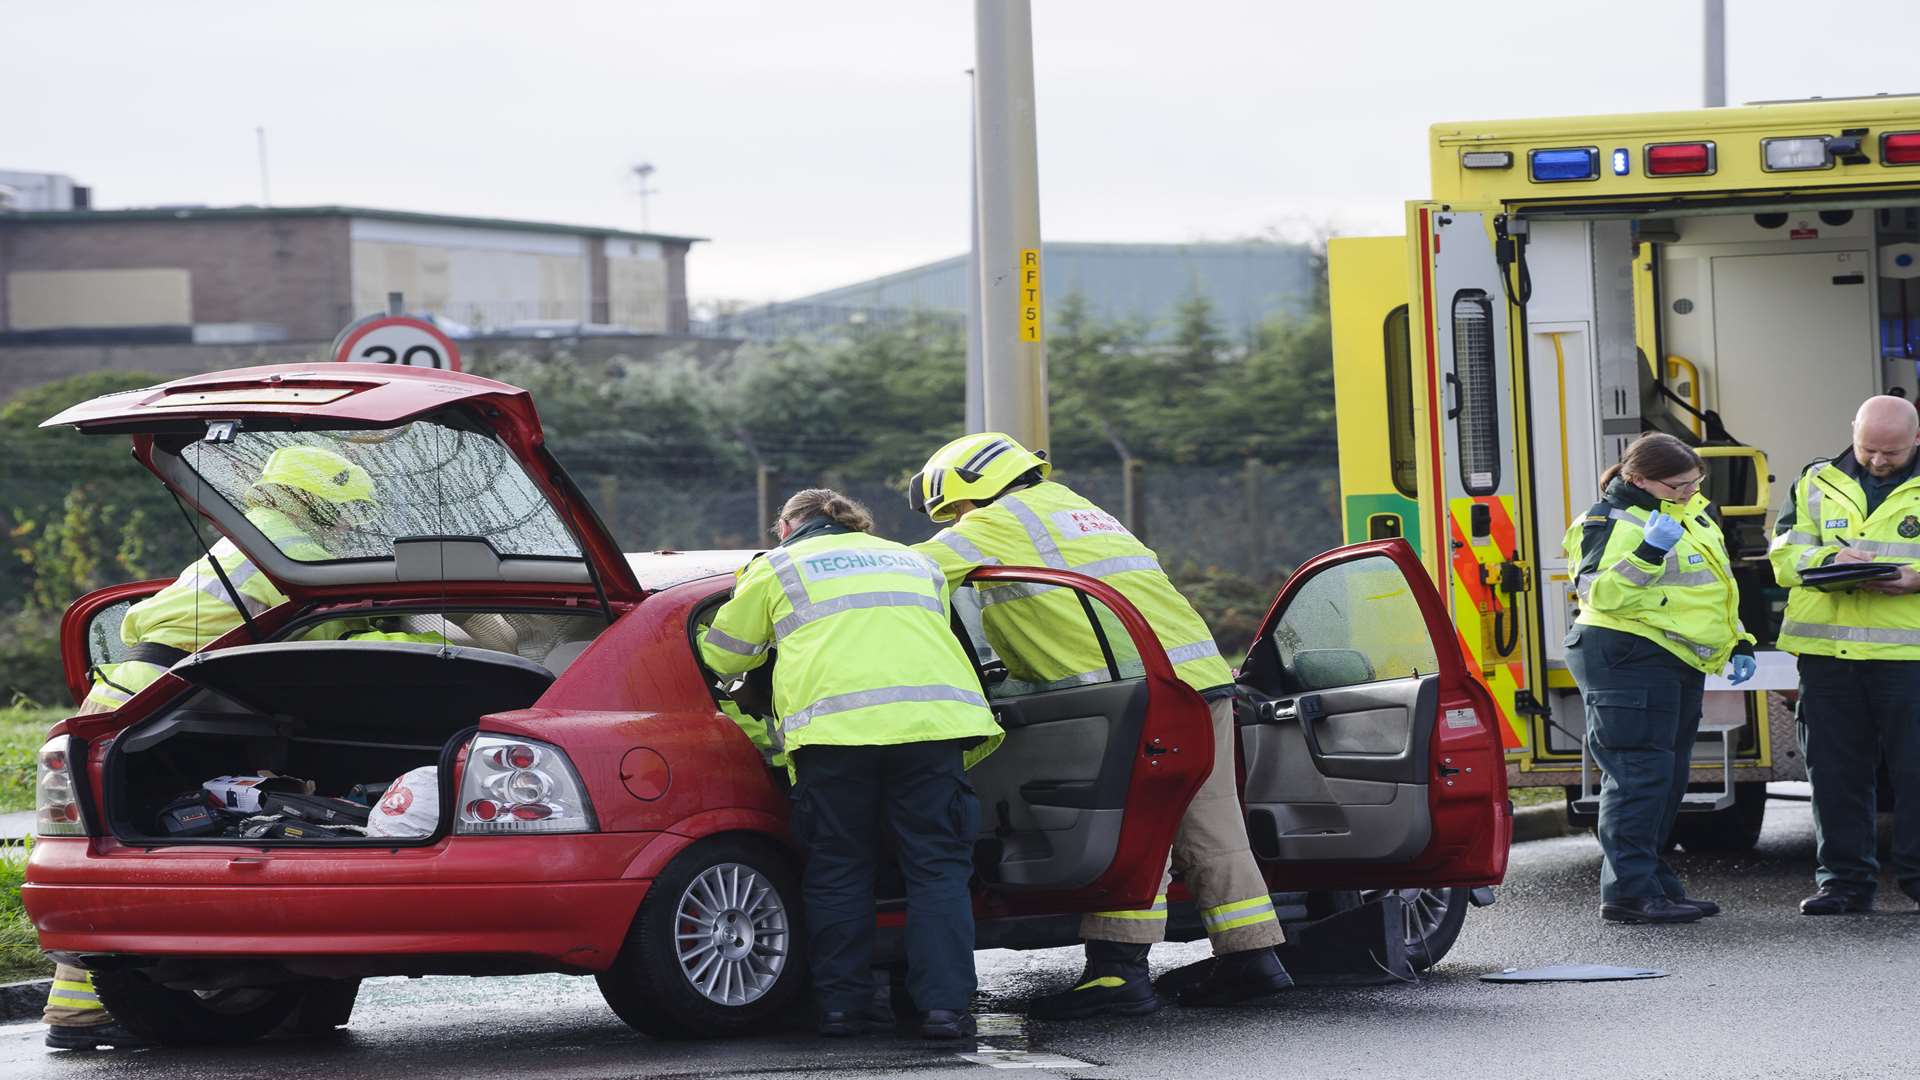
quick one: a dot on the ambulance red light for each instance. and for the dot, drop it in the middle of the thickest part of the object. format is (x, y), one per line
(1680, 159)
(1900, 148)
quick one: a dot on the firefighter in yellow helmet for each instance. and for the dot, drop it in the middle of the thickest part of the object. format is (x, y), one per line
(1004, 509)
(880, 710)
(302, 490)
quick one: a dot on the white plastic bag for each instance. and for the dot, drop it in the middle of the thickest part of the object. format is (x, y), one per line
(411, 806)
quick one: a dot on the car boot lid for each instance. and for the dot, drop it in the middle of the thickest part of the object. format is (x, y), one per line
(418, 475)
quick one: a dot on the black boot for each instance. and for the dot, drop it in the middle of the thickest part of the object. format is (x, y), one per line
(947, 1024)
(1237, 977)
(1657, 910)
(93, 1037)
(1114, 983)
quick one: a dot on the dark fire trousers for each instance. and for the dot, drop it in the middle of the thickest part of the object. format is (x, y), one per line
(842, 797)
(1851, 713)
(1643, 712)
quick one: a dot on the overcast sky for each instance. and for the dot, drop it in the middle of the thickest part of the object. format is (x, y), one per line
(818, 143)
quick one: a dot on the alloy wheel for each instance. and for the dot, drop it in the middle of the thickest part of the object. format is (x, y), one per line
(732, 934)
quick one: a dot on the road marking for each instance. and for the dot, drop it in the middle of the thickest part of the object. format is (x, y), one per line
(1021, 1059)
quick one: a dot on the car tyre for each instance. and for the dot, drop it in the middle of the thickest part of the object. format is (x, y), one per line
(1433, 921)
(169, 1017)
(716, 946)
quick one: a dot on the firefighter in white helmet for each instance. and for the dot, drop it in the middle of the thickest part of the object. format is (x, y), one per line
(1005, 510)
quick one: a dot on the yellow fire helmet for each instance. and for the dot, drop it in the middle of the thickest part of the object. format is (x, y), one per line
(318, 472)
(971, 468)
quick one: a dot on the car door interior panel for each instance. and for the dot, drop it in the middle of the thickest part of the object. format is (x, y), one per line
(1052, 796)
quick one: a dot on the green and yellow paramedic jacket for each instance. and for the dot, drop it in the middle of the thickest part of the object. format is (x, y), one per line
(1683, 600)
(1041, 631)
(1830, 505)
(868, 656)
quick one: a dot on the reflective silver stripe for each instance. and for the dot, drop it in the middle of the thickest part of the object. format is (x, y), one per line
(1036, 532)
(1807, 558)
(1795, 536)
(821, 609)
(1866, 635)
(888, 695)
(965, 548)
(210, 585)
(1081, 678)
(1199, 650)
(1211, 920)
(986, 454)
(789, 576)
(1892, 548)
(1581, 584)
(1693, 647)
(1626, 569)
(1691, 577)
(720, 639)
(1119, 564)
(1618, 514)
(1000, 592)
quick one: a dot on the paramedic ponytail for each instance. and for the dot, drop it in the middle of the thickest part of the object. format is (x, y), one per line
(825, 502)
(1653, 456)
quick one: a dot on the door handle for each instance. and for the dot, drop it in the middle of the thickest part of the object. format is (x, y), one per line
(1453, 388)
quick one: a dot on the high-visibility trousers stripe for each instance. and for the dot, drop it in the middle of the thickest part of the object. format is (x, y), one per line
(1239, 913)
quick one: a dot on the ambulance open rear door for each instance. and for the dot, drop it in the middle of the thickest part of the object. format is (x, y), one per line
(1482, 529)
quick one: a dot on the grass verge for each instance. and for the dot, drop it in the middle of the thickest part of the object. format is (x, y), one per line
(20, 956)
(21, 733)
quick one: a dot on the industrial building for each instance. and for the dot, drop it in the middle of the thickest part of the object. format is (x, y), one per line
(1245, 283)
(243, 275)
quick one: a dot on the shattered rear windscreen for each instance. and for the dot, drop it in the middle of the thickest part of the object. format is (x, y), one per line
(324, 496)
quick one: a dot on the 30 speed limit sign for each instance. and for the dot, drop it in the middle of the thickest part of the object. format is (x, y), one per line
(396, 339)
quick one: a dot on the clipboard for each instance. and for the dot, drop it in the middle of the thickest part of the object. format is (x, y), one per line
(1836, 576)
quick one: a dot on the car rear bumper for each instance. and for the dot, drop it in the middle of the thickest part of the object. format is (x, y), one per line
(504, 898)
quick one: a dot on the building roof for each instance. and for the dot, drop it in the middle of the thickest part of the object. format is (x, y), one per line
(204, 213)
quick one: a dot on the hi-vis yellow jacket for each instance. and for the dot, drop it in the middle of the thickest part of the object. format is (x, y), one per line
(1040, 630)
(1830, 510)
(196, 608)
(867, 654)
(1683, 600)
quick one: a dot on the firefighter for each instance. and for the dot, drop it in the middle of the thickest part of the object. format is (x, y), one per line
(302, 491)
(879, 711)
(1004, 509)
(1659, 610)
(1859, 652)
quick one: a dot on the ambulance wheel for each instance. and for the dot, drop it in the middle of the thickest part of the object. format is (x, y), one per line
(715, 948)
(170, 1017)
(1432, 922)
(1735, 829)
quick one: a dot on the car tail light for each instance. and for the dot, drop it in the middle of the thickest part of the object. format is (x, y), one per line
(1790, 155)
(1680, 159)
(56, 797)
(1900, 148)
(520, 786)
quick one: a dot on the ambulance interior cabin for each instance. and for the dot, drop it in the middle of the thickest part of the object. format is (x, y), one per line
(1737, 328)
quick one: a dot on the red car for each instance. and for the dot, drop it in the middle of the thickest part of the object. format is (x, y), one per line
(598, 813)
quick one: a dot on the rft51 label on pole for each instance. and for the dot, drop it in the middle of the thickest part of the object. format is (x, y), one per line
(396, 339)
(1030, 305)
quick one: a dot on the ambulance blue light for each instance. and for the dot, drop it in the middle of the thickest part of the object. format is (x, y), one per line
(1549, 166)
(1621, 163)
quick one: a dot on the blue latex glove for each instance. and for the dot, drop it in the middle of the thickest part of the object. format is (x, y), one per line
(1743, 669)
(1662, 531)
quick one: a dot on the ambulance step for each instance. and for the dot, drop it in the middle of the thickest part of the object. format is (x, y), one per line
(1693, 802)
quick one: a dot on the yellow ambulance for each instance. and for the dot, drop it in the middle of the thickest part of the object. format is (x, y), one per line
(1741, 277)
